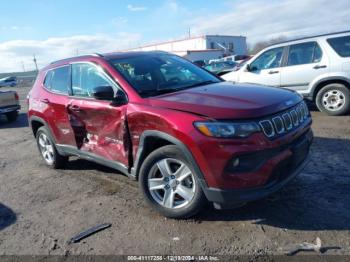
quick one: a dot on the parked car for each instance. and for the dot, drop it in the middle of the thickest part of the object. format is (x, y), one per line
(187, 139)
(235, 58)
(9, 105)
(200, 63)
(316, 67)
(220, 68)
(8, 81)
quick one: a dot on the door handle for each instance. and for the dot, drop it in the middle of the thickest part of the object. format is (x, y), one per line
(74, 108)
(319, 66)
(45, 101)
(273, 72)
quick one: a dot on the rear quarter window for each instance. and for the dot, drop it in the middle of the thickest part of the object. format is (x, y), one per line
(341, 45)
(304, 53)
(48, 78)
(58, 80)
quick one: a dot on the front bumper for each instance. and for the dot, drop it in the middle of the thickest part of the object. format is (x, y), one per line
(282, 173)
(231, 198)
(8, 109)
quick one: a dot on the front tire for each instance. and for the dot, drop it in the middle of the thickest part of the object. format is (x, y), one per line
(169, 184)
(333, 99)
(48, 149)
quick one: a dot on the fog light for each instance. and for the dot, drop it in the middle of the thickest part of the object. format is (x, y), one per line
(235, 162)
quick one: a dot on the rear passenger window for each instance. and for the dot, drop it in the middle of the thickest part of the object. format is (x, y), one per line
(341, 45)
(305, 53)
(60, 79)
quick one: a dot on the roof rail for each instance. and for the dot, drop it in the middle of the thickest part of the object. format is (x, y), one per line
(68, 58)
(307, 37)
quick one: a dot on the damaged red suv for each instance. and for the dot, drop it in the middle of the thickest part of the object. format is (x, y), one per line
(184, 134)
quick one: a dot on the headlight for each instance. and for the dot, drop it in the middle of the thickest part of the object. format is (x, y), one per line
(227, 129)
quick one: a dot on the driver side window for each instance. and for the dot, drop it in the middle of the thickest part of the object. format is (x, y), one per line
(85, 77)
(269, 59)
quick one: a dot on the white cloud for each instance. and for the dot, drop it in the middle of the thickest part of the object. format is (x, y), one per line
(12, 53)
(14, 28)
(119, 21)
(133, 8)
(262, 20)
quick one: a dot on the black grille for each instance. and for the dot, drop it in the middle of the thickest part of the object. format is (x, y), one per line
(284, 122)
(294, 116)
(278, 123)
(287, 121)
(300, 114)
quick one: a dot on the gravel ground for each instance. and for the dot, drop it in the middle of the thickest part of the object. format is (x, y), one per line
(40, 208)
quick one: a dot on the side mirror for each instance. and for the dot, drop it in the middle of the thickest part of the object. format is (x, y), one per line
(103, 93)
(247, 68)
(119, 100)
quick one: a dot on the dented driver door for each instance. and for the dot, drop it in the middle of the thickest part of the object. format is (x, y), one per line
(99, 127)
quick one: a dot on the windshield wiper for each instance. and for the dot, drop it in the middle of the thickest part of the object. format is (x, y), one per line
(202, 83)
(167, 90)
(173, 89)
(156, 92)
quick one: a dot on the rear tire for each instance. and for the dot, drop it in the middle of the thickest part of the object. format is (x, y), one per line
(48, 149)
(333, 99)
(170, 185)
(12, 116)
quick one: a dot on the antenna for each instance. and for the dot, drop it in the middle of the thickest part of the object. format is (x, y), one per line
(189, 32)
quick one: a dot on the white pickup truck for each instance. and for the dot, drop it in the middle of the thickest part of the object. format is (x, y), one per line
(9, 105)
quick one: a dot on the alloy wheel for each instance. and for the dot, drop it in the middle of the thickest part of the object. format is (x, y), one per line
(46, 148)
(171, 183)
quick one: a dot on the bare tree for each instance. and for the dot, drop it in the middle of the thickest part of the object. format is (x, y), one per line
(258, 46)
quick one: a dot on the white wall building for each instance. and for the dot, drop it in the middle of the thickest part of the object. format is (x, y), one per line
(202, 47)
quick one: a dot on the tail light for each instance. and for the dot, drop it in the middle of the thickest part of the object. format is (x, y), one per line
(16, 96)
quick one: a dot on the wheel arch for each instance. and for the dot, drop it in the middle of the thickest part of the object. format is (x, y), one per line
(334, 80)
(151, 140)
(36, 122)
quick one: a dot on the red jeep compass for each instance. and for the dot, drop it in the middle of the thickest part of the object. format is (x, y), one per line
(186, 135)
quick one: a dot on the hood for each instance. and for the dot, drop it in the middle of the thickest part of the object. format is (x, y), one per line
(226, 100)
(231, 76)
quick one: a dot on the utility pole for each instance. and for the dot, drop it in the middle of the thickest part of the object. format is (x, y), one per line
(24, 69)
(36, 65)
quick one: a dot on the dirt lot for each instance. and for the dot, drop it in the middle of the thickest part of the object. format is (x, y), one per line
(40, 209)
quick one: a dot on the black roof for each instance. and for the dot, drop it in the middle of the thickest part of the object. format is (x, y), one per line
(110, 56)
(115, 55)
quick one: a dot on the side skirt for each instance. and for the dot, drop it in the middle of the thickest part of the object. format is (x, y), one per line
(72, 151)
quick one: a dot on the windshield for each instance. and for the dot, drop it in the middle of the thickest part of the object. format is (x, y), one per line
(155, 74)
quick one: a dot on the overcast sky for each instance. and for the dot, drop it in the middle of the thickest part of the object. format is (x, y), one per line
(57, 29)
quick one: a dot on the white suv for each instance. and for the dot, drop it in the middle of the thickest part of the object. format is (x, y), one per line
(316, 67)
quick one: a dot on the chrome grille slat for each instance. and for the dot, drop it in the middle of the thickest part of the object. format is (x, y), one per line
(267, 128)
(279, 125)
(294, 116)
(300, 114)
(285, 121)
